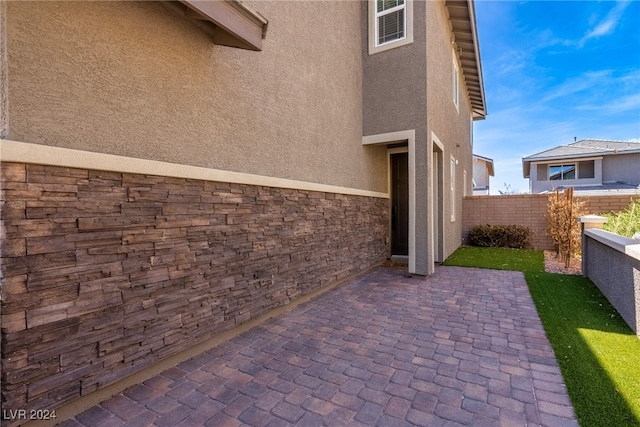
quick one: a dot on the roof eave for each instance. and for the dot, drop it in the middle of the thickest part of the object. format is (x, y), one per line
(580, 156)
(462, 18)
(229, 22)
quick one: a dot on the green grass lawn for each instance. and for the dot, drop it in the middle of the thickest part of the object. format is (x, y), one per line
(598, 354)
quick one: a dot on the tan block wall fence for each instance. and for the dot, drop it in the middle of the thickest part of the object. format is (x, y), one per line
(106, 273)
(528, 210)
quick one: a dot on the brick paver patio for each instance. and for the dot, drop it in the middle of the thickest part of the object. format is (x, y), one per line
(462, 348)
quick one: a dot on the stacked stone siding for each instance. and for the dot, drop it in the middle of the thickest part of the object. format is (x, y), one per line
(105, 273)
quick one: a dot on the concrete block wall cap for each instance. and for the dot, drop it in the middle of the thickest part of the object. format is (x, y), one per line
(593, 218)
(622, 244)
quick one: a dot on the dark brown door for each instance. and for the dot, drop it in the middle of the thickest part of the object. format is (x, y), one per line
(400, 204)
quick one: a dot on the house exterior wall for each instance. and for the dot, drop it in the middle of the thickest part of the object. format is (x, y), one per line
(394, 81)
(610, 168)
(233, 181)
(106, 270)
(394, 99)
(622, 168)
(410, 87)
(539, 182)
(138, 79)
(450, 125)
(529, 210)
(481, 177)
(106, 273)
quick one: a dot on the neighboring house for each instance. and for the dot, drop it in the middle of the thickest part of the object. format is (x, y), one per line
(173, 169)
(482, 171)
(591, 166)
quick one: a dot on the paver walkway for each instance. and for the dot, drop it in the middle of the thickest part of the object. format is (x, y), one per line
(462, 348)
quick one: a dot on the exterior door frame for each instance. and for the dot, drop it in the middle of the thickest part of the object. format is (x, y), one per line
(390, 153)
(437, 199)
(408, 137)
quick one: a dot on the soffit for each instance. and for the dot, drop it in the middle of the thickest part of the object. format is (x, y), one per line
(465, 38)
(229, 22)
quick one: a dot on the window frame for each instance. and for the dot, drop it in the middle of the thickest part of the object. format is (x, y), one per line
(455, 83)
(452, 183)
(562, 172)
(374, 46)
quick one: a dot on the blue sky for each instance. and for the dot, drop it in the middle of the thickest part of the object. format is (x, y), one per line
(555, 70)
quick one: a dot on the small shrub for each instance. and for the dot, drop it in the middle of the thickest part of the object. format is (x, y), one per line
(501, 236)
(625, 223)
(562, 224)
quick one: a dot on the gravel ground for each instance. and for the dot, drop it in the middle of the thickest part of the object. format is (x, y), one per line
(556, 265)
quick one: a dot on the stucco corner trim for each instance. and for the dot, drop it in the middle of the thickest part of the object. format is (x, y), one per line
(23, 152)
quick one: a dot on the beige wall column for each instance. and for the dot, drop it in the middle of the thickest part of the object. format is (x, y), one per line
(424, 219)
(4, 103)
(588, 221)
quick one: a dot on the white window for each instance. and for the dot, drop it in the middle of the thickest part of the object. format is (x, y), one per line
(456, 83)
(562, 172)
(452, 179)
(390, 24)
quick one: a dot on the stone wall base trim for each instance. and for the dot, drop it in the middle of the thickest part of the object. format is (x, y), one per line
(23, 152)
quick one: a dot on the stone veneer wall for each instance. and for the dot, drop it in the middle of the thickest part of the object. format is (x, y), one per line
(529, 210)
(106, 273)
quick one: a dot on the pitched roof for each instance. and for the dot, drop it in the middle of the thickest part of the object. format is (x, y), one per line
(582, 148)
(606, 189)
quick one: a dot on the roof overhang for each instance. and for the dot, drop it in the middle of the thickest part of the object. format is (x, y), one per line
(462, 16)
(488, 161)
(229, 22)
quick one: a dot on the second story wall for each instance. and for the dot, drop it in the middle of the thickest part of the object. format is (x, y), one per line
(139, 79)
(622, 168)
(451, 124)
(394, 80)
(569, 172)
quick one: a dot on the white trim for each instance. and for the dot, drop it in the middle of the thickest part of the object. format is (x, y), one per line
(452, 187)
(390, 137)
(374, 47)
(22, 152)
(408, 136)
(464, 183)
(437, 141)
(455, 82)
(566, 160)
(437, 245)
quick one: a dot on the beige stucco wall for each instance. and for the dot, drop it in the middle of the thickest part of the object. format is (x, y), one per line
(480, 173)
(394, 81)
(451, 126)
(621, 168)
(410, 87)
(138, 79)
